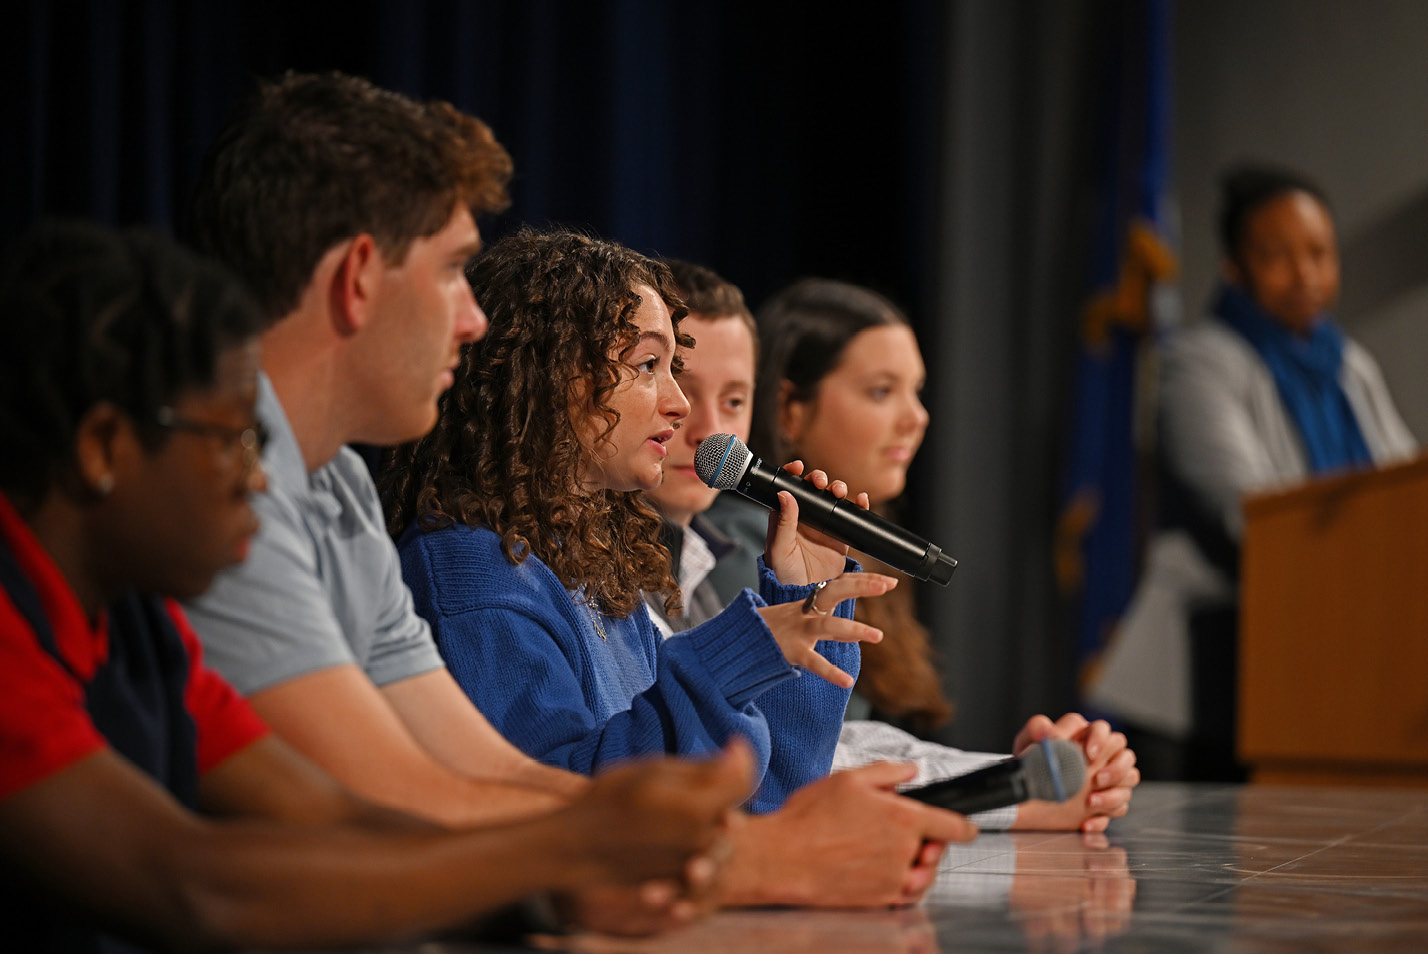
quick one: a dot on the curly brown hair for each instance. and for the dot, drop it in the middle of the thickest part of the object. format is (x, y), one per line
(506, 450)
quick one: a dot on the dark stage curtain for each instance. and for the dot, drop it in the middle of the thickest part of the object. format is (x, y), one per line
(767, 140)
(932, 150)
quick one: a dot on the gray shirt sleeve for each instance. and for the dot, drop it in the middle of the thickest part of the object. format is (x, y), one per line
(321, 587)
(270, 619)
(372, 602)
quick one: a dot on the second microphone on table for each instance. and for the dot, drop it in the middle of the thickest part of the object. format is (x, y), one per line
(724, 463)
(1052, 770)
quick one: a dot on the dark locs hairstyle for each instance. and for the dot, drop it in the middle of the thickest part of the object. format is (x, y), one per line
(312, 160)
(506, 450)
(90, 315)
(804, 330)
(1245, 188)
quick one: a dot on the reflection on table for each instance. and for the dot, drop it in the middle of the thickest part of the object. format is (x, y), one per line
(1192, 868)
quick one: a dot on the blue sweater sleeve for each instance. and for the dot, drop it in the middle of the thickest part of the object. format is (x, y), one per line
(805, 714)
(528, 655)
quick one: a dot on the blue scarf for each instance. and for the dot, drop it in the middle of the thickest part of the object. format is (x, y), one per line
(1306, 372)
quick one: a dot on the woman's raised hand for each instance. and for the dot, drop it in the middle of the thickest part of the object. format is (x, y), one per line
(798, 626)
(799, 555)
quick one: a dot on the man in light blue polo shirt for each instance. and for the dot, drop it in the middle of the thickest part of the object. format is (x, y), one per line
(350, 210)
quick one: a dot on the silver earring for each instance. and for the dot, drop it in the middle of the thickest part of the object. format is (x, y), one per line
(104, 486)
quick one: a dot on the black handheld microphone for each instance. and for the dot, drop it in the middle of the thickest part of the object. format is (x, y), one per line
(724, 463)
(1052, 770)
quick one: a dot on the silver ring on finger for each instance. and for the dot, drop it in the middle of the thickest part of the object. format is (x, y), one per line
(810, 605)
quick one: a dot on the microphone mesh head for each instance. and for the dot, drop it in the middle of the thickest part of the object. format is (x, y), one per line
(721, 460)
(1054, 770)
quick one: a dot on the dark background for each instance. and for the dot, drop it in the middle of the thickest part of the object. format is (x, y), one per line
(947, 153)
(938, 152)
(767, 140)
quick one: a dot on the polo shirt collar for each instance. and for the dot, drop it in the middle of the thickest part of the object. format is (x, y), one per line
(282, 458)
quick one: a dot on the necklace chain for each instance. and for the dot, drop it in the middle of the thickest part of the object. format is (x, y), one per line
(595, 615)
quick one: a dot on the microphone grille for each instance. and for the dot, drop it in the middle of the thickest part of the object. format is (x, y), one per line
(1054, 770)
(721, 460)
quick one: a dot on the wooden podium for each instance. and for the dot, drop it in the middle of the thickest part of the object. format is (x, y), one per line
(1334, 630)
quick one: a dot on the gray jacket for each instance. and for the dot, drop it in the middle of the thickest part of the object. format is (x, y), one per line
(1224, 433)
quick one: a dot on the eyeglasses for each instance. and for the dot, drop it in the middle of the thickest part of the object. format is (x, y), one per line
(250, 440)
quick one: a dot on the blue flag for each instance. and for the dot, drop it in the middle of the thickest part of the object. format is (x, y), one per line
(1132, 262)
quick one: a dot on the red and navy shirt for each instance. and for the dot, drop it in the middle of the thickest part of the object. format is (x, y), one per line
(45, 724)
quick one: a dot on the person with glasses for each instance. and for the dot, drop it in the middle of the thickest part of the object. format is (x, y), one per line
(244, 443)
(142, 802)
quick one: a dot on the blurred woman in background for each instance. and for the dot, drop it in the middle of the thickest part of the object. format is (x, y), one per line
(1265, 392)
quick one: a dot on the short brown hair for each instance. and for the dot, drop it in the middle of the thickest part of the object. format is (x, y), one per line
(314, 159)
(709, 295)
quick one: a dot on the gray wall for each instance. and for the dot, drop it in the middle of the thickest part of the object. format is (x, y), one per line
(1339, 90)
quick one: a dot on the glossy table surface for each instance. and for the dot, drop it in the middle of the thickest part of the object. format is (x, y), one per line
(1191, 868)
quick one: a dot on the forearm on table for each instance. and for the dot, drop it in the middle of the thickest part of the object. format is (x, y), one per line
(763, 870)
(547, 778)
(247, 886)
(340, 721)
(336, 874)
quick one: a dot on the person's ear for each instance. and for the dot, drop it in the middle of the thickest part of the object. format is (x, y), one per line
(792, 415)
(354, 283)
(103, 443)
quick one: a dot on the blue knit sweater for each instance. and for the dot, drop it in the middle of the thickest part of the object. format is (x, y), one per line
(529, 655)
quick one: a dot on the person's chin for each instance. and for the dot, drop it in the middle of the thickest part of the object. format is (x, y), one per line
(703, 498)
(417, 425)
(241, 548)
(888, 488)
(197, 578)
(1297, 316)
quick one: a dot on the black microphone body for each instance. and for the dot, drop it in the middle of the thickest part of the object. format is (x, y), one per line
(997, 785)
(1051, 770)
(820, 509)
